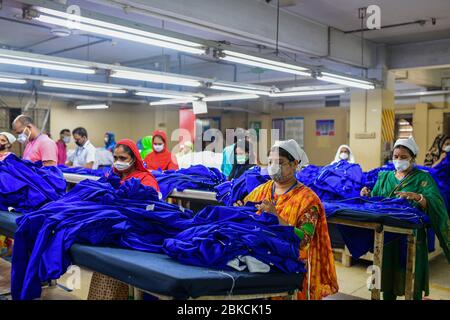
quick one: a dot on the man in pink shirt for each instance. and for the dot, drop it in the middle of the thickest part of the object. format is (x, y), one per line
(64, 139)
(39, 147)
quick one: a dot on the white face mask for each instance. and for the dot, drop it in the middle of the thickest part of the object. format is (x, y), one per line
(23, 138)
(343, 156)
(447, 149)
(66, 140)
(401, 165)
(122, 166)
(158, 147)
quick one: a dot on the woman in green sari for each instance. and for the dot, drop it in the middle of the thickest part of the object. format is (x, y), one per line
(420, 188)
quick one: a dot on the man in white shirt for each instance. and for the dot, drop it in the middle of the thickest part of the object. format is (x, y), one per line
(84, 155)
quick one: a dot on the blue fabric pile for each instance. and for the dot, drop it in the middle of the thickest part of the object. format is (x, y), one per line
(131, 216)
(196, 177)
(101, 172)
(333, 182)
(231, 191)
(26, 186)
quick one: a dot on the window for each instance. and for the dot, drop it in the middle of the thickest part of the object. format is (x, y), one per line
(403, 126)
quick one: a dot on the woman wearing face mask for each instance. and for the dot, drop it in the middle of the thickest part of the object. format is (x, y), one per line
(6, 141)
(242, 152)
(438, 152)
(161, 158)
(296, 205)
(127, 164)
(419, 187)
(344, 153)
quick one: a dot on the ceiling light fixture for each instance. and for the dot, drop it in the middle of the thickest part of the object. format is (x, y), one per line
(172, 102)
(230, 97)
(156, 78)
(82, 86)
(12, 80)
(92, 106)
(306, 93)
(348, 81)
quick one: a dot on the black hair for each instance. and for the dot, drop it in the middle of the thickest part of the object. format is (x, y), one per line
(127, 150)
(407, 149)
(283, 153)
(80, 131)
(64, 131)
(248, 147)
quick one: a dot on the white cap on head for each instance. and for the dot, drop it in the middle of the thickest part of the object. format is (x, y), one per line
(294, 150)
(409, 143)
(9, 136)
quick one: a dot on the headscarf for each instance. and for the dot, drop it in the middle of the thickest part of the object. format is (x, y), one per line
(434, 153)
(140, 171)
(9, 136)
(292, 147)
(351, 158)
(409, 143)
(110, 143)
(240, 168)
(161, 160)
(147, 146)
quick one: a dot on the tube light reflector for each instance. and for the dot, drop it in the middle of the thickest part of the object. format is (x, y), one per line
(12, 80)
(250, 60)
(92, 106)
(351, 82)
(240, 89)
(156, 78)
(159, 95)
(230, 97)
(116, 31)
(51, 65)
(307, 93)
(82, 86)
(172, 101)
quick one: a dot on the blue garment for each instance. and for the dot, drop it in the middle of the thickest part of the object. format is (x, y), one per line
(26, 186)
(339, 180)
(441, 174)
(236, 232)
(131, 216)
(85, 171)
(196, 177)
(393, 211)
(237, 189)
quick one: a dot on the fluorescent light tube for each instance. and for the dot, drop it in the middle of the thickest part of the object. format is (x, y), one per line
(159, 95)
(351, 82)
(264, 63)
(82, 86)
(239, 89)
(172, 101)
(92, 106)
(13, 80)
(230, 97)
(156, 78)
(307, 93)
(51, 65)
(115, 32)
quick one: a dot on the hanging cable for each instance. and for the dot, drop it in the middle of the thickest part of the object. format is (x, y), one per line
(278, 25)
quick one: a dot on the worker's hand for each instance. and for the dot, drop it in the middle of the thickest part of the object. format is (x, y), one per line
(266, 206)
(443, 156)
(408, 195)
(365, 192)
(238, 203)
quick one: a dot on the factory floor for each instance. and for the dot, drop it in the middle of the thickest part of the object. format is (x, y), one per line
(352, 282)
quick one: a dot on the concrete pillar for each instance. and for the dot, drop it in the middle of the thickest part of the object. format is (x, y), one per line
(420, 133)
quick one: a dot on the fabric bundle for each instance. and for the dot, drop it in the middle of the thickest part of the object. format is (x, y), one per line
(197, 177)
(85, 171)
(26, 186)
(131, 216)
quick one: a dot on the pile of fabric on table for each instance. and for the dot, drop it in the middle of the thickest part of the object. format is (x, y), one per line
(101, 172)
(26, 186)
(131, 216)
(197, 177)
(231, 191)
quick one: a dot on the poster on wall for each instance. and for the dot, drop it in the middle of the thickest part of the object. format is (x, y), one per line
(325, 128)
(293, 129)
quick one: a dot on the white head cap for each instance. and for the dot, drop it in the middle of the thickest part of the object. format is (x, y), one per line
(408, 143)
(9, 136)
(294, 150)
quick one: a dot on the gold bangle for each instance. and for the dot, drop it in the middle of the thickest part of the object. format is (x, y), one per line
(421, 198)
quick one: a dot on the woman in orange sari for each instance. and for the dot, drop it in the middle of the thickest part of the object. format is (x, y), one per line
(298, 206)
